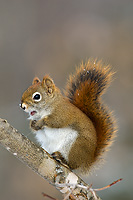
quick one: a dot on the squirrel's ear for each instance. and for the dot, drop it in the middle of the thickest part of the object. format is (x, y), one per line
(35, 81)
(48, 84)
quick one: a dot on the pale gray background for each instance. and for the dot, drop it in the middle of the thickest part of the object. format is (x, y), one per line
(53, 36)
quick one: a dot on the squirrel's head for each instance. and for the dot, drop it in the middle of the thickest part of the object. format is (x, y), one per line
(36, 100)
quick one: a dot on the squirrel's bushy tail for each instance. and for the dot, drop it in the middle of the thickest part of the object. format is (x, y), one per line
(84, 90)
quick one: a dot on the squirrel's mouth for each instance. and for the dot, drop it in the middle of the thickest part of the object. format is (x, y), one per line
(33, 112)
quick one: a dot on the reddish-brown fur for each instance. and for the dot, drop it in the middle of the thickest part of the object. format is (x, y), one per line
(81, 109)
(85, 93)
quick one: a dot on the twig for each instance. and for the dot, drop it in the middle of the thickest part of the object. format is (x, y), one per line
(46, 195)
(108, 186)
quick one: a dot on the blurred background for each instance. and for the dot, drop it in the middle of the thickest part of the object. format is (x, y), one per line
(39, 37)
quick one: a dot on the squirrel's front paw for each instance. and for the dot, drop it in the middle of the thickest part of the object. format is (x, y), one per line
(36, 125)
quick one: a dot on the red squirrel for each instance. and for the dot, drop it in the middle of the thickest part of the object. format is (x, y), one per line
(77, 127)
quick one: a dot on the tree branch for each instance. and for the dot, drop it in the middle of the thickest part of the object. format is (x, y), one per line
(43, 164)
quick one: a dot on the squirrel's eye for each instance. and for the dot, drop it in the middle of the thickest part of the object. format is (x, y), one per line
(37, 96)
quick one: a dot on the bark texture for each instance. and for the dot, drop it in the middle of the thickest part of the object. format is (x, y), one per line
(43, 164)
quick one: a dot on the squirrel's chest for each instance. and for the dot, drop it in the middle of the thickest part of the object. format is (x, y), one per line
(57, 139)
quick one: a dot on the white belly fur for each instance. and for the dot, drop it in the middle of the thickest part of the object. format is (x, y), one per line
(57, 139)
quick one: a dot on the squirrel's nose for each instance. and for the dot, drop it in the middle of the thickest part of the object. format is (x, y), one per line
(22, 105)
